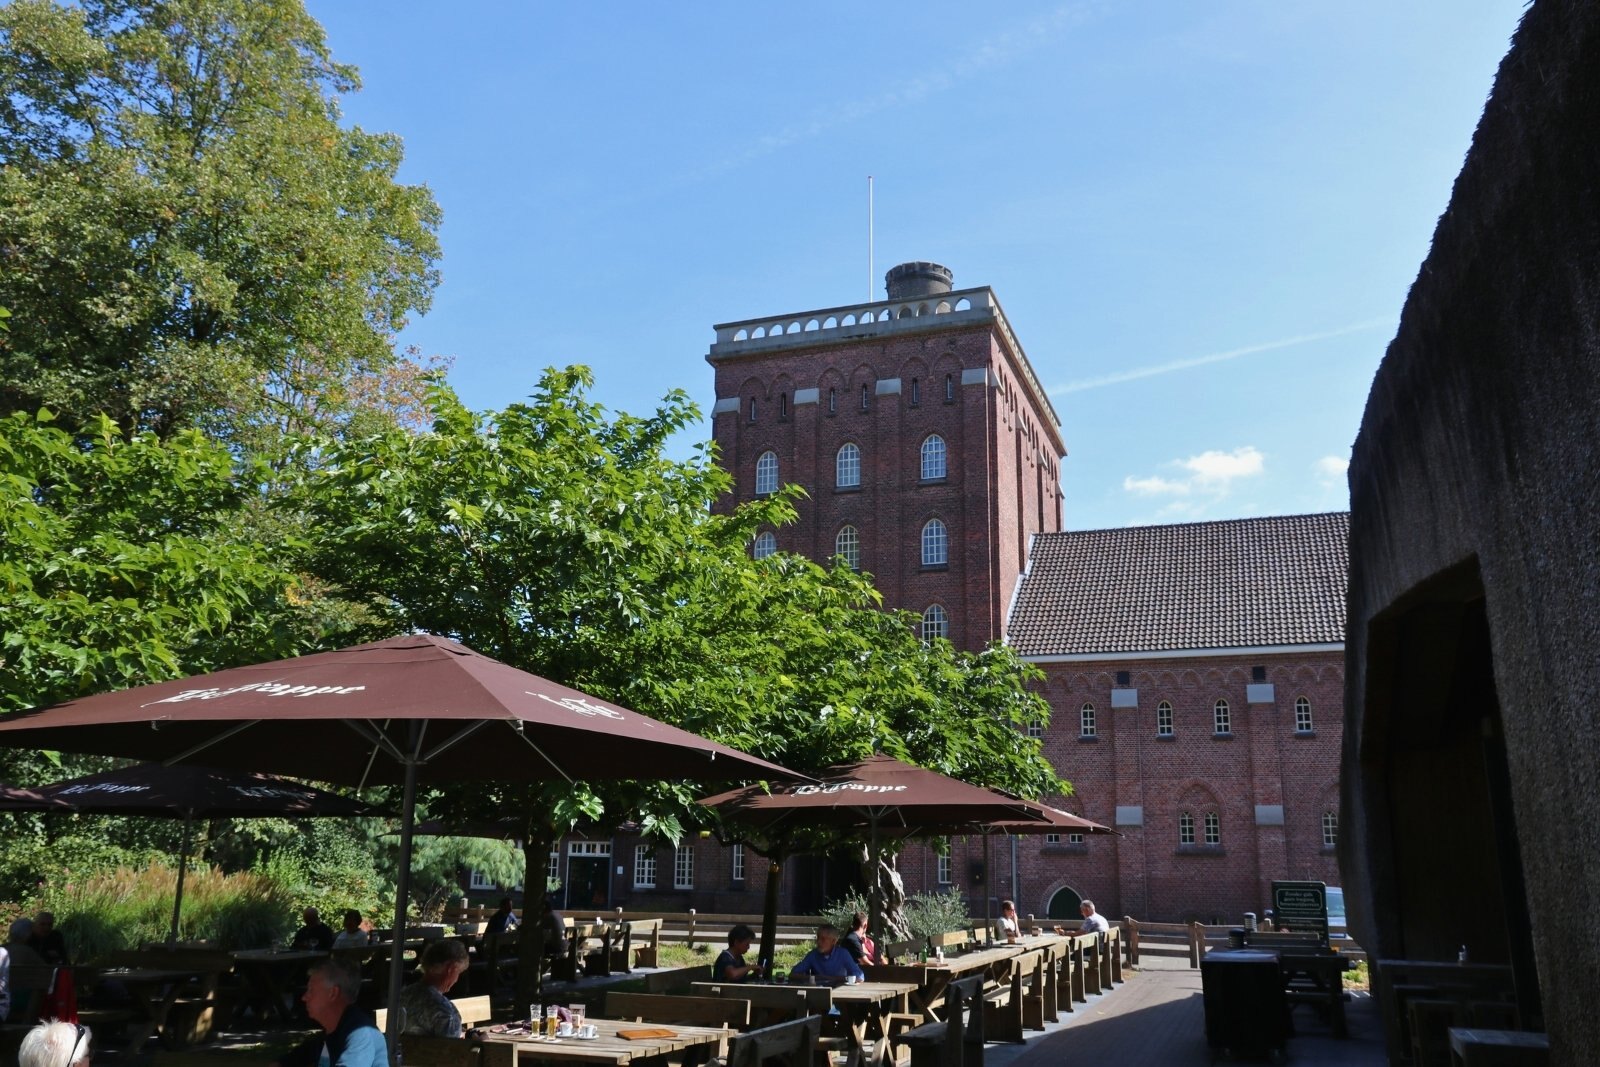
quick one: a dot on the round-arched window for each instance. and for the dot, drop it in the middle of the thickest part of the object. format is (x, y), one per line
(935, 544)
(764, 545)
(933, 458)
(847, 467)
(848, 545)
(767, 473)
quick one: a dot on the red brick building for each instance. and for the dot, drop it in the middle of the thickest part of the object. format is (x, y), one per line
(1195, 672)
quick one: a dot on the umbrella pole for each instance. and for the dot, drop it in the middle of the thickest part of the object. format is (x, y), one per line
(874, 899)
(988, 880)
(408, 818)
(183, 866)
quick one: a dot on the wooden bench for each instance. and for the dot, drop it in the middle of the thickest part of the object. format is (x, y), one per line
(677, 980)
(904, 951)
(956, 1042)
(727, 1012)
(474, 1011)
(1014, 1004)
(951, 942)
(792, 1043)
(419, 1051)
(646, 937)
(770, 1004)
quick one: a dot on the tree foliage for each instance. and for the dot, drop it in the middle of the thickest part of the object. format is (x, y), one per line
(188, 235)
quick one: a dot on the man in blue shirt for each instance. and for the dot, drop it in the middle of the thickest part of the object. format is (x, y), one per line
(828, 959)
(349, 1038)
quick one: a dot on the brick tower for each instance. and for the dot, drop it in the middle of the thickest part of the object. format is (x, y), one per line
(928, 450)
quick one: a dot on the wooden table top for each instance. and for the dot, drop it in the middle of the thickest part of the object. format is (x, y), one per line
(870, 992)
(607, 1047)
(1462, 1036)
(277, 955)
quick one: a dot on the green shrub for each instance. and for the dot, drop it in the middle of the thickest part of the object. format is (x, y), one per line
(26, 861)
(925, 913)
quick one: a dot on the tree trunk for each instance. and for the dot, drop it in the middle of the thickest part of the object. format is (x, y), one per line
(892, 891)
(769, 912)
(530, 941)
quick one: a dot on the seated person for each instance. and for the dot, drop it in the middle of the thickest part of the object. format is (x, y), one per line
(1093, 921)
(18, 953)
(315, 935)
(1008, 920)
(554, 928)
(56, 1044)
(349, 1037)
(502, 920)
(47, 940)
(828, 959)
(858, 942)
(730, 965)
(352, 936)
(427, 1008)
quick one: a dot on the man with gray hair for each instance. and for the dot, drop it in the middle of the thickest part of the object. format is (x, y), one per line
(54, 1044)
(349, 1038)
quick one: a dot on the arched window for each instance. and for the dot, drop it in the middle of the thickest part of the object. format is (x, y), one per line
(1222, 717)
(833, 400)
(764, 545)
(766, 473)
(1330, 829)
(1213, 829)
(866, 398)
(935, 622)
(935, 544)
(933, 458)
(1185, 828)
(1302, 716)
(949, 388)
(1163, 719)
(1086, 721)
(848, 545)
(847, 467)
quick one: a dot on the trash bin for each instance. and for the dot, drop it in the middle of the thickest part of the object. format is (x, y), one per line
(1250, 921)
(1236, 939)
(1247, 1014)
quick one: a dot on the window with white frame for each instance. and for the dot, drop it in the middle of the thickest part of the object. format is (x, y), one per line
(479, 882)
(1163, 719)
(1036, 729)
(766, 473)
(1185, 828)
(764, 545)
(1052, 839)
(592, 849)
(1302, 716)
(847, 466)
(934, 460)
(738, 863)
(848, 545)
(1213, 828)
(1330, 829)
(935, 622)
(935, 544)
(945, 869)
(1222, 718)
(1086, 721)
(1074, 839)
(644, 867)
(553, 871)
(683, 867)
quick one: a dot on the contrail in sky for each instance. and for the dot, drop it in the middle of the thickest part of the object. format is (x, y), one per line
(1215, 357)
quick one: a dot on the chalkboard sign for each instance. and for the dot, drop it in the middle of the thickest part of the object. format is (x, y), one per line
(1301, 906)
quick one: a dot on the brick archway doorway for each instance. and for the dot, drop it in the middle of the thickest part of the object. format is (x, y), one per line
(1064, 903)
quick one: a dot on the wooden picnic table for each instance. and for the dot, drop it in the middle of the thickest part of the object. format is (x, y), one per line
(608, 1047)
(152, 992)
(1323, 972)
(934, 976)
(268, 975)
(1472, 1047)
(865, 1007)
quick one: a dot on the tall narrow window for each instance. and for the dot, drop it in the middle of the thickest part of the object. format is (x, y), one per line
(848, 545)
(553, 871)
(683, 867)
(1163, 719)
(847, 467)
(866, 398)
(766, 473)
(738, 863)
(935, 622)
(644, 867)
(764, 545)
(945, 870)
(752, 409)
(935, 544)
(1086, 721)
(1302, 716)
(916, 392)
(949, 387)
(1222, 717)
(1185, 828)
(1213, 828)
(933, 458)
(783, 405)
(1330, 829)
(833, 400)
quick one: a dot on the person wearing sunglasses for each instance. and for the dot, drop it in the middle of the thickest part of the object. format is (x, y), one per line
(53, 1044)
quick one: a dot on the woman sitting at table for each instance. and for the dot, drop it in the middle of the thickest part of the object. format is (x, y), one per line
(730, 965)
(1008, 920)
(427, 1009)
(352, 936)
(858, 942)
(828, 959)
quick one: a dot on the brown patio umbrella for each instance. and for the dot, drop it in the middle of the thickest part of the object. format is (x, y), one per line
(880, 794)
(187, 793)
(410, 709)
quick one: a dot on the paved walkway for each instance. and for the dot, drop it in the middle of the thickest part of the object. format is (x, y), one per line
(1157, 1018)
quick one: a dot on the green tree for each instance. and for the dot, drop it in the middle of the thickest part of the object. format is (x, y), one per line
(559, 538)
(188, 235)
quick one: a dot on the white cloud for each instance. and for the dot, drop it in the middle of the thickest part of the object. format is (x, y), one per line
(1331, 470)
(1206, 479)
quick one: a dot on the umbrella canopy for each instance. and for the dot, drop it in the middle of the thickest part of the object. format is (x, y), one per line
(411, 709)
(880, 794)
(186, 793)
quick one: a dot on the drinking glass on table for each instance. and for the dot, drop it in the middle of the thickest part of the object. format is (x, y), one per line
(577, 1011)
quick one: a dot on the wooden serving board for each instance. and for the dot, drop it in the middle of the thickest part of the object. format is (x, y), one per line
(653, 1033)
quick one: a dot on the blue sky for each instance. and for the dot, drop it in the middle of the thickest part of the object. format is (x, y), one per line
(1201, 219)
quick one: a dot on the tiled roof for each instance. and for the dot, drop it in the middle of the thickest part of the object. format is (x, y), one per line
(1235, 584)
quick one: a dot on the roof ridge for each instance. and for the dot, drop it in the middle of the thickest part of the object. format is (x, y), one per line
(1236, 521)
